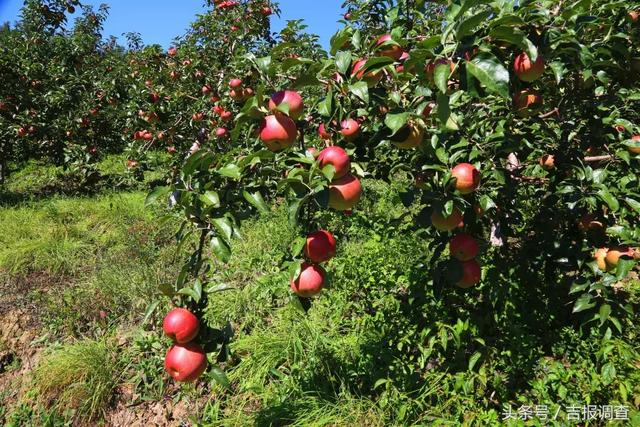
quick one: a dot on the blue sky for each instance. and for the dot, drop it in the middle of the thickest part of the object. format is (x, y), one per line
(159, 21)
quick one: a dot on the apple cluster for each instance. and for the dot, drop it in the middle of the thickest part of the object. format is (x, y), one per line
(186, 360)
(463, 247)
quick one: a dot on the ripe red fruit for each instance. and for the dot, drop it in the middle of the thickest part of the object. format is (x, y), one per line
(310, 281)
(350, 129)
(154, 97)
(278, 132)
(21, 132)
(222, 132)
(320, 246)
(526, 70)
(172, 51)
(443, 223)
(235, 83)
(392, 51)
(293, 100)
(147, 136)
(206, 89)
(463, 247)
(337, 157)
(181, 325)
(344, 193)
(633, 16)
(226, 116)
(266, 11)
(471, 274)
(467, 177)
(247, 93)
(371, 78)
(323, 133)
(196, 117)
(236, 95)
(185, 362)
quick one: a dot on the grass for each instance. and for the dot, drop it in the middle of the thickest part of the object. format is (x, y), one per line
(78, 379)
(382, 345)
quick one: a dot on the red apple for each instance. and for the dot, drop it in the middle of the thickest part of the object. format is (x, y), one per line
(320, 246)
(391, 50)
(323, 133)
(371, 78)
(278, 132)
(350, 129)
(463, 247)
(471, 274)
(443, 223)
(293, 100)
(185, 362)
(235, 83)
(467, 178)
(310, 281)
(206, 89)
(526, 70)
(172, 51)
(226, 116)
(344, 193)
(222, 133)
(337, 157)
(181, 325)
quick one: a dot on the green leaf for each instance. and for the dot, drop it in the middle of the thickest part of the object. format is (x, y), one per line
(490, 73)
(635, 205)
(585, 302)
(441, 76)
(624, 267)
(325, 108)
(474, 359)
(467, 26)
(361, 90)
(190, 292)
(263, 64)
(516, 37)
(329, 171)
(210, 198)
(605, 311)
(155, 194)
(343, 61)
(219, 376)
(256, 200)
(608, 373)
(608, 198)
(396, 121)
(152, 307)
(220, 249)
(231, 170)
(298, 245)
(224, 227)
